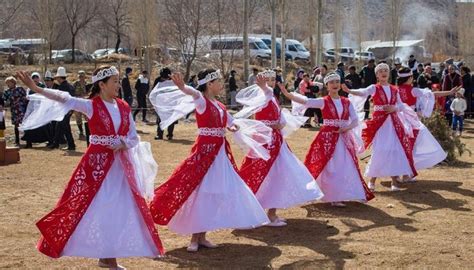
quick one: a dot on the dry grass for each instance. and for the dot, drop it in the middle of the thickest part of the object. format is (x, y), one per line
(430, 225)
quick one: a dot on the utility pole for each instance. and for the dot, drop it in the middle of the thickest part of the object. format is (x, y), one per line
(246, 40)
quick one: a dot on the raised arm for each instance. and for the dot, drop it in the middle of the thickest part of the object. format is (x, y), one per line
(77, 104)
(290, 96)
(177, 78)
(362, 92)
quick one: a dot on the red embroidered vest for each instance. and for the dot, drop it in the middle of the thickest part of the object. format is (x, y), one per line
(405, 92)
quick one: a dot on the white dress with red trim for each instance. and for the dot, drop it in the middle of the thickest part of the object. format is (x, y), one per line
(336, 168)
(205, 192)
(427, 151)
(102, 213)
(281, 181)
(391, 144)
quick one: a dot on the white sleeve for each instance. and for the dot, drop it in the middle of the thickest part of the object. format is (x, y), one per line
(230, 119)
(418, 92)
(200, 103)
(315, 103)
(368, 91)
(132, 139)
(77, 104)
(352, 113)
(399, 103)
(452, 105)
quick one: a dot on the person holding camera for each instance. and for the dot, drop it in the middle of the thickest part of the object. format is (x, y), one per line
(310, 89)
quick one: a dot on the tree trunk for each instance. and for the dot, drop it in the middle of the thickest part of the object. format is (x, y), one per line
(73, 43)
(284, 19)
(117, 44)
(273, 29)
(319, 41)
(246, 40)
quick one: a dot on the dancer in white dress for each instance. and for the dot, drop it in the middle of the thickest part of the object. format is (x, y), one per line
(205, 192)
(427, 151)
(281, 181)
(390, 131)
(332, 157)
(102, 212)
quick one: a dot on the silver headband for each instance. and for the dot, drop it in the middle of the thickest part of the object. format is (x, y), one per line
(332, 76)
(381, 66)
(268, 73)
(210, 77)
(104, 73)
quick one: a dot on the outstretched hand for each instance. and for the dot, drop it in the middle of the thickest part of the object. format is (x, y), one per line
(178, 80)
(455, 90)
(345, 88)
(26, 79)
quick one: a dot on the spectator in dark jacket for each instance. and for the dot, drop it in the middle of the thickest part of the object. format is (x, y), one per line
(63, 128)
(353, 79)
(368, 78)
(142, 86)
(126, 87)
(165, 75)
(394, 72)
(467, 84)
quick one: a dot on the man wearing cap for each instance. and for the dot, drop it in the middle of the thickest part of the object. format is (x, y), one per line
(63, 129)
(126, 88)
(394, 72)
(81, 89)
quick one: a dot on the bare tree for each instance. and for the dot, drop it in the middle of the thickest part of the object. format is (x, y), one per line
(11, 8)
(78, 13)
(284, 23)
(42, 12)
(187, 23)
(395, 12)
(118, 20)
(319, 27)
(246, 40)
(273, 8)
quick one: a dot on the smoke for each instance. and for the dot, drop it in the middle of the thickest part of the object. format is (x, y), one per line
(418, 19)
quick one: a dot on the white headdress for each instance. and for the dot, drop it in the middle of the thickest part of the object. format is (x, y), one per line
(381, 66)
(210, 77)
(104, 73)
(404, 75)
(332, 76)
(268, 73)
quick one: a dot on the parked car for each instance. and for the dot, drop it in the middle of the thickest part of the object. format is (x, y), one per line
(364, 56)
(233, 45)
(296, 50)
(346, 54)
(65, 56)
(268, 41)
(105, 52)
(329, 56)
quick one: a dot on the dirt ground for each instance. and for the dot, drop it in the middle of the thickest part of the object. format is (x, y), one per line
(430, 225)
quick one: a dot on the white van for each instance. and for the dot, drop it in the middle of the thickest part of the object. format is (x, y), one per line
(296, 49)
(364, 56)
(233, 45)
